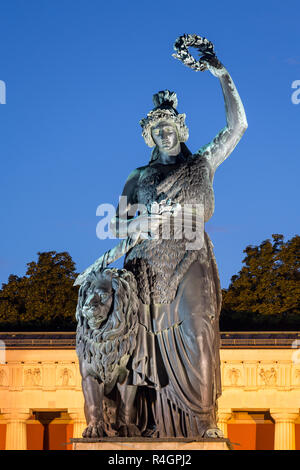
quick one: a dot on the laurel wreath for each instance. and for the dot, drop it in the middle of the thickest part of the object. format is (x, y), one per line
(203, 45)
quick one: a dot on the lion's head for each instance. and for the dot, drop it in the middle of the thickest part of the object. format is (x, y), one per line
(107, 320)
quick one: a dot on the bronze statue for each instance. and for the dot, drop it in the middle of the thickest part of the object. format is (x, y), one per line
(172, 376)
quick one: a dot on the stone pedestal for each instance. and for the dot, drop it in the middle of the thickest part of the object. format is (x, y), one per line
(137, 444)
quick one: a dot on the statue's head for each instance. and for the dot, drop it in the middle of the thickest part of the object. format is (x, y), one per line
(108, 293)
(98, 298)
(164, 116)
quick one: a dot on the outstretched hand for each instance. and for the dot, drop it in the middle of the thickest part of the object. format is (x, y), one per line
(208, 59)
(145, 226)
(213, 64)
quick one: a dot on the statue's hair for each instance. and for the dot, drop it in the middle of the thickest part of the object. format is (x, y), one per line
(165, 103)
(114, 341)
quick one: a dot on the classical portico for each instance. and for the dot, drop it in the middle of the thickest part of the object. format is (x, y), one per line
(40, 391)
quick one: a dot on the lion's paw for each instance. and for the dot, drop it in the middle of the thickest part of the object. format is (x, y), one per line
(129, 430)
(94, 430)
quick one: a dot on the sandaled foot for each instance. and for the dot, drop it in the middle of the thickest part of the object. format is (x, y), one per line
(213, 433)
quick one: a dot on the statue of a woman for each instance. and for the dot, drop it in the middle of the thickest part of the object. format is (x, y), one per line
(171, 382)
(176, 366)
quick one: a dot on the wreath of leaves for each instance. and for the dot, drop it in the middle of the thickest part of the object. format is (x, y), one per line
(203, 45)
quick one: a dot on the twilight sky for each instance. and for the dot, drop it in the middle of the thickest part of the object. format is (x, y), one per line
(80, 74)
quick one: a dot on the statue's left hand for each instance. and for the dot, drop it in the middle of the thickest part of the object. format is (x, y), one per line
(214, 65)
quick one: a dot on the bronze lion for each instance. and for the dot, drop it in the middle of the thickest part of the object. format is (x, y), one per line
(107, 315)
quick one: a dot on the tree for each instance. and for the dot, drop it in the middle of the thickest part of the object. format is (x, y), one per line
(268, 284)
(44, 298)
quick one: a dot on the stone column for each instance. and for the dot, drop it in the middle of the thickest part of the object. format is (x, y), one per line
(79, 422)
(284, 428)
(223, 418)
(16, 436)
(45, 418)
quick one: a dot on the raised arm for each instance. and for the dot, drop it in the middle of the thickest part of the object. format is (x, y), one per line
(226, 140)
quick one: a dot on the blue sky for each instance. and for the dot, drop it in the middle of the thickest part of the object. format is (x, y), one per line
(80, 75)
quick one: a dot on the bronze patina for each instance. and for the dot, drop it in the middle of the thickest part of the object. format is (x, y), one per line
(148, 335)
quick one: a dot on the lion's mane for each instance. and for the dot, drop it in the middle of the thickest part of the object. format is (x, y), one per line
(111, 345)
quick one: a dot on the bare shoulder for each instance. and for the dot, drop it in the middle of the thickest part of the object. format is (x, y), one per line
(131, 184)
(133, 177)
(135, 174)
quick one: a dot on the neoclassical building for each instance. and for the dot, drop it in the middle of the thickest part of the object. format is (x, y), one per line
(41, 402)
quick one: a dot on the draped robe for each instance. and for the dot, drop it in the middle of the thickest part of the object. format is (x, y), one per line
(176, 363)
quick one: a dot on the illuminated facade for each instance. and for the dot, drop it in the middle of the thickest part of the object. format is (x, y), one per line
(41, 402)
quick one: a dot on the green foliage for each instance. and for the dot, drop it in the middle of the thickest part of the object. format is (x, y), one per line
(44, 298)
(264, 295)
(266, 292)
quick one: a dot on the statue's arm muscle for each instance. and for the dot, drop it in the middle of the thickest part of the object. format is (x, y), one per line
(226, 140)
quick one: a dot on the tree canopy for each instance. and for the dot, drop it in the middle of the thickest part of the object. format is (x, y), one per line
(44, 298)
(267, 285)
(264, 295)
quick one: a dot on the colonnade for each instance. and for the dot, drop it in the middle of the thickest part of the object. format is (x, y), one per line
(16, 419)
(16, 426)
(284, 419)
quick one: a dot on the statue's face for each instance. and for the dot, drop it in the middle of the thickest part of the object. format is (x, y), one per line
(165, 135)
(98, 303)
